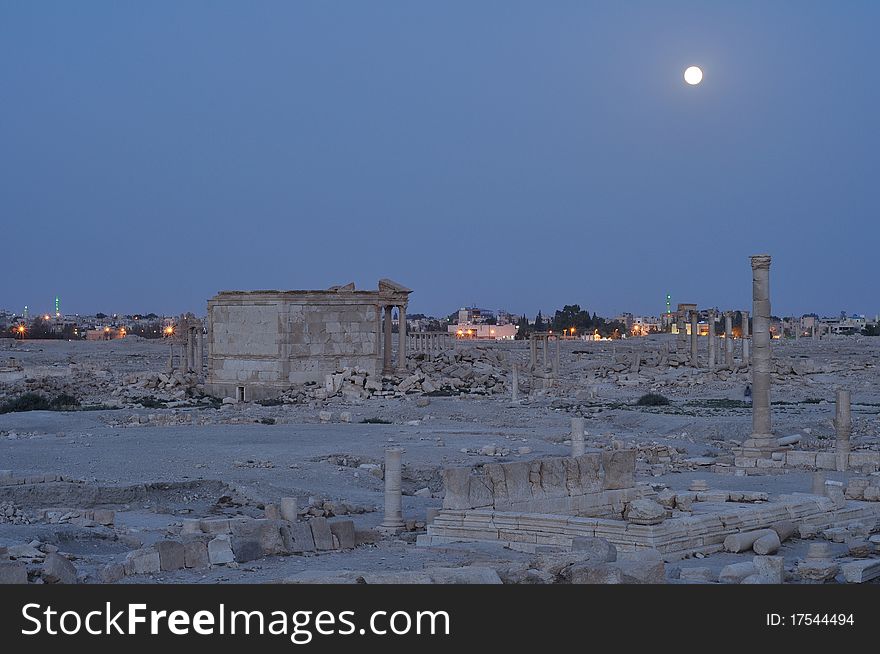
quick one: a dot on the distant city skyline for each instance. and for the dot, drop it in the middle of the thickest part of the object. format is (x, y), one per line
(528, 155)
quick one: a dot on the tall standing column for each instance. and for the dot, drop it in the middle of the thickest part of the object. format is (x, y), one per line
(695, 360)
(393, 500)
(711, 339)
(378, 344)
(577, 436)
(533, 352)
(728, 339)
(401, 339)
(761, 443)
(843, 424)
(387, 366)
(745, 337)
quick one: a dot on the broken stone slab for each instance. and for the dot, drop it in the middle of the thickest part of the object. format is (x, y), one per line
(785, 530)
(171, 554)
(859, 572)
(13, 572)
(594, 549)
(297, 537)
(644, 512)
(745, 540)
(344, 532)
(321, 533)
(195, 554)
(619, 572)
(769, 570)
(220, 550)
(736, 572)
(142, 561)
(698, 575)
(58, 570)
(111, 573)
(253, 539)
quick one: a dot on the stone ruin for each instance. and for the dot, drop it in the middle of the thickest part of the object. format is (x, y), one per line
(260, 343)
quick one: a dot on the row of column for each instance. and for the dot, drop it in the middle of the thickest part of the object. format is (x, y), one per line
(728, 339)
(384, 346)
(430, 343)
(545, 355)
(192, 353)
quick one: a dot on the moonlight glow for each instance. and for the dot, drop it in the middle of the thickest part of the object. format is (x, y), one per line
(693, 75)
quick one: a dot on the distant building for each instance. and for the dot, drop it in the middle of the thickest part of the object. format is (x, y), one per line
(490, 332)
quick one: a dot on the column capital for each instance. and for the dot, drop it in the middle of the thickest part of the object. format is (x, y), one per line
(760, 261)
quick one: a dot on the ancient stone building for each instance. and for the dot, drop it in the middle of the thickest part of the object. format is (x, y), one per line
(262, 342)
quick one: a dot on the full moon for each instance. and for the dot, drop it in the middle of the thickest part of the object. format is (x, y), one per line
(693, 75)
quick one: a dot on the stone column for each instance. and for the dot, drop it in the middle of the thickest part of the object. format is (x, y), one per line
(379, 365)
(695, 360)
(401, 339)
(745, 337)
(843, 425)
(171, 356)
(393, 520)
(514, 382)
(711, 339)
(761, 444)
(556, 363)
(533, 352)
(200, 351)
(577, 436)
(728, 339)
(545, 344)
(815, 331)
(387, 366)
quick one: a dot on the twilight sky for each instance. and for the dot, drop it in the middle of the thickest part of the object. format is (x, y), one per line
(516, 155)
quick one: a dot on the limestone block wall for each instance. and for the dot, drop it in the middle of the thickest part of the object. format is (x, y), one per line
(593, 484)
(264, 341)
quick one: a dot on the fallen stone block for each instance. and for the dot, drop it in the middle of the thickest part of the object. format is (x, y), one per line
(736, 572)
(220, 550)
(344, 532)
(58, 570)
(253, 539)
(619, 572)
(768, 570)
(859, 572)
(171, 554)
(111, 573)
(142, 561)
(104, 517)
(297, 538)
(644, 512)
(195, 554)
(321, 533)
(784, 530)
(594, 549)
(698, 574)
(13, 572)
